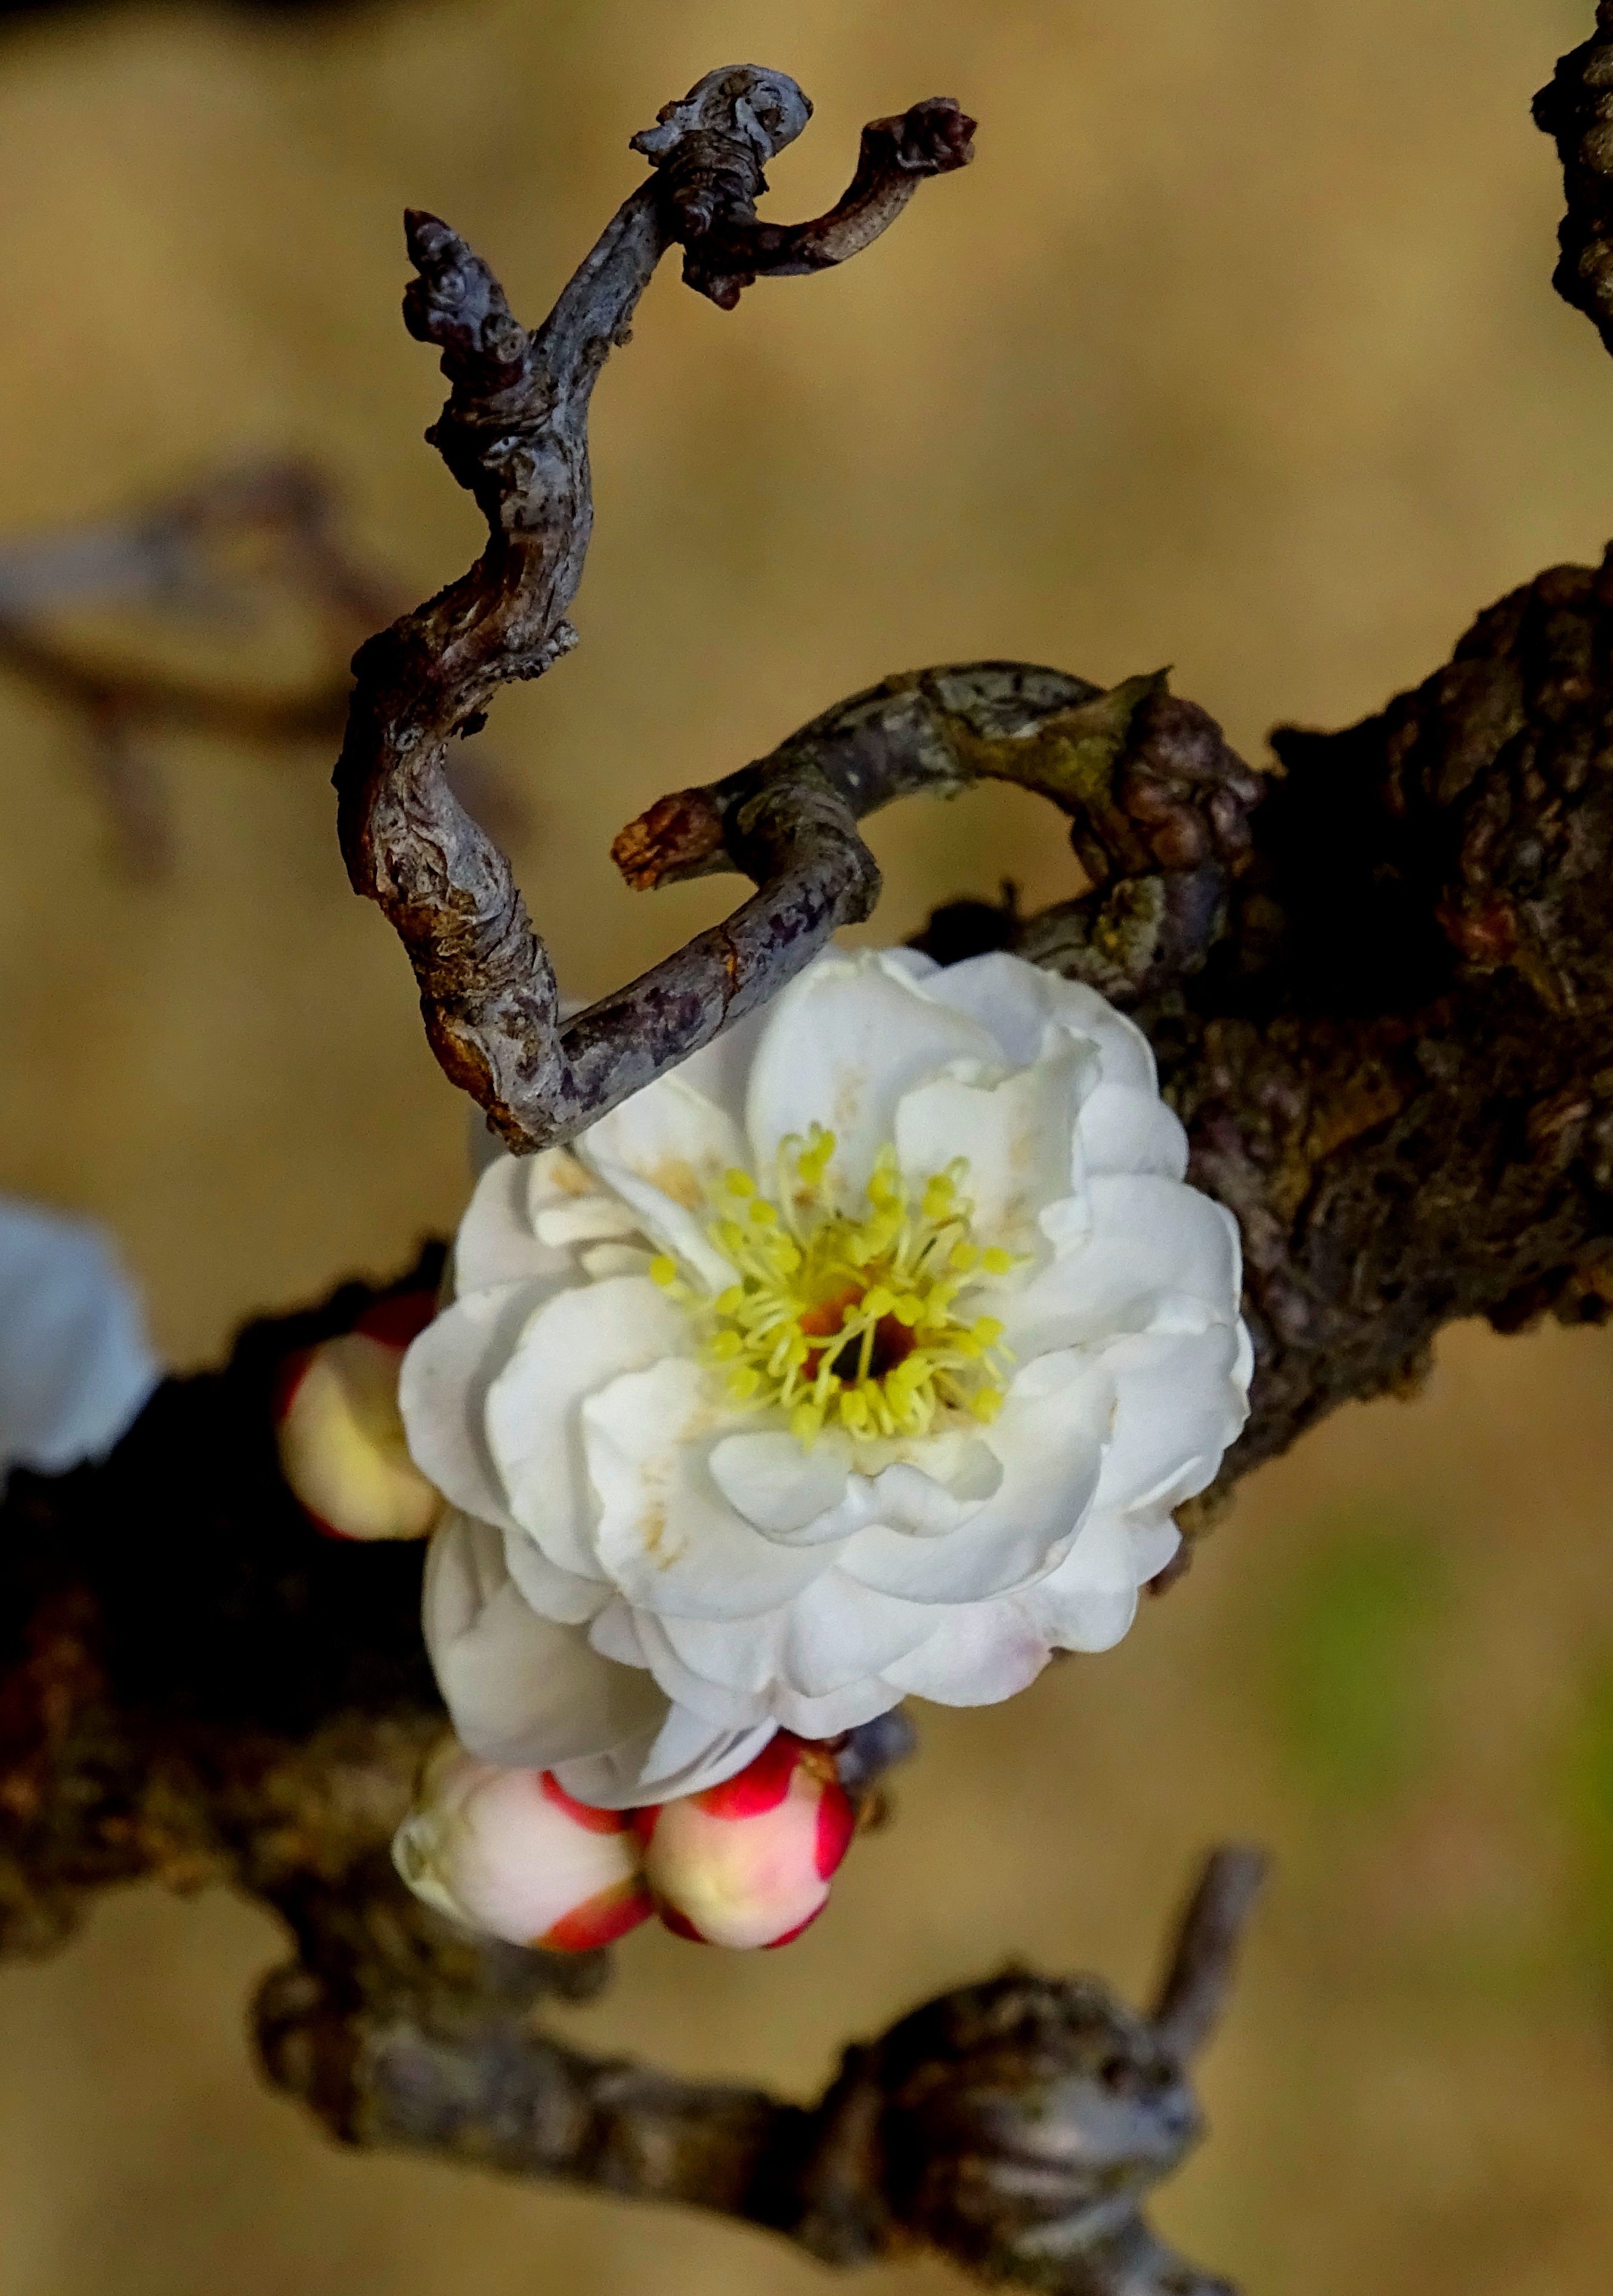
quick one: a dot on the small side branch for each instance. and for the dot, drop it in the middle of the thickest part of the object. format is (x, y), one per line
(514, 432)
(1204, 1959)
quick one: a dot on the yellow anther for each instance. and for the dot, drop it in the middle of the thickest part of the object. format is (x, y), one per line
(995, 1261)
(662, 1269)
(858, 1278)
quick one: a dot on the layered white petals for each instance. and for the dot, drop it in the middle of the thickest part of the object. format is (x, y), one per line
(682, 1754)
(525, 1691)
(1018, 1136)
(665, 1569)
(570, 1347)
(664, 1533)
(844, 1044)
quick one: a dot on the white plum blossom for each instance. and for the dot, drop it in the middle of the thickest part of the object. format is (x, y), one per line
(865, 1355)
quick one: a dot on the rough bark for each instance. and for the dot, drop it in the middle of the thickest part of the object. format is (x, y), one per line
(1380, 982)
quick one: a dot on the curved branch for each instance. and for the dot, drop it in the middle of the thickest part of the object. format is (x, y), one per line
(514, 432)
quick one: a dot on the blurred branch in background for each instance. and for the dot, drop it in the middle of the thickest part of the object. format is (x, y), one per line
(120, 623)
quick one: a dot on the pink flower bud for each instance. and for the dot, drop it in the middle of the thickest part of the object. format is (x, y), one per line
(342, 1449)
(509, 1852)
(749, 1862)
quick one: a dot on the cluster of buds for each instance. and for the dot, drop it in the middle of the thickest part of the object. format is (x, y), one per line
(343, 1452)
(745, 1864)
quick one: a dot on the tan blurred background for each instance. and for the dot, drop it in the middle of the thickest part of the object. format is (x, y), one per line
(1235, 350)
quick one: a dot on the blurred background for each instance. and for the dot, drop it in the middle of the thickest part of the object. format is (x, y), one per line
(1236, 350)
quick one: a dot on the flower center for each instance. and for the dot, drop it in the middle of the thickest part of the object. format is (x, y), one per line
(858, 1321)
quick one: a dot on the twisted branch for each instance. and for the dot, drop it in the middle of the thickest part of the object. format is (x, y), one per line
(514, 432)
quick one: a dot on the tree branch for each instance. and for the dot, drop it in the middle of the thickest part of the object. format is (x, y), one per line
(514, 432)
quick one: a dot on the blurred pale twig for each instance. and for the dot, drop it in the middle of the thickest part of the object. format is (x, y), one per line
(225, 554)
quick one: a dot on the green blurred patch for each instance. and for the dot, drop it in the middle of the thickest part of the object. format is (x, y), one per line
(1588, 1781)
(1351, 1638)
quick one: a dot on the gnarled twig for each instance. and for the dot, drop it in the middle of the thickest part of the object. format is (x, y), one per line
(514, 432)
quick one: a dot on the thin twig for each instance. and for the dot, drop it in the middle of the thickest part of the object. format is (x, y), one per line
(1204, 1958)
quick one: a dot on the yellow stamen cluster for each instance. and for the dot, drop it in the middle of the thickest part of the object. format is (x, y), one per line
(847, 1321)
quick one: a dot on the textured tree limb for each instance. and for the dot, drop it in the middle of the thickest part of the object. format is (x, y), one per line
(514, 432)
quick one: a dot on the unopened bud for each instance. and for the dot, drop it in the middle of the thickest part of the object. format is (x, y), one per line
(343, 1447)
(749, 1862)
(508, 1852)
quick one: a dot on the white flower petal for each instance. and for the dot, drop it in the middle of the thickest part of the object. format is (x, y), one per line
(720, 1072)
(664, 1152)
(75, 1367)
(1126, 1129)
(666, 1534)
(843, 1044)
(523, 1690)
(442, 1392)
(586, 1219)
(1180, 1404)
(833, 1636)
(1090, 1601)
(497, 1243)
(775, 1484)
(1018, 1136)
(683, 1756)
(1050, 1438)
(1158, 1255)
(841, 1709)
(575, 1343)
(602, 1260)
(564, 1596)
(840, 1632)
(1155, 1542)
(975, 1654)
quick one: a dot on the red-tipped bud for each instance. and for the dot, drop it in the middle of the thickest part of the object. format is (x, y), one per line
(509, 1852)
(342, 1449)
(749, 1862)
